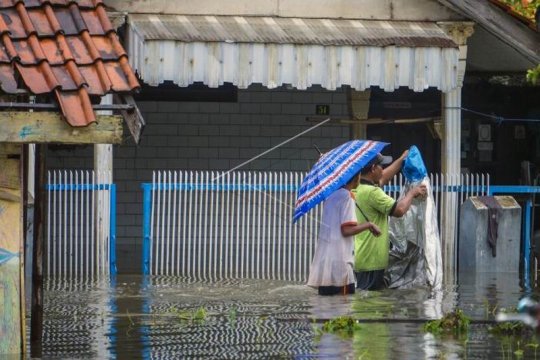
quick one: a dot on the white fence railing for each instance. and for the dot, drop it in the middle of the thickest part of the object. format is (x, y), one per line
(81, 217)
(221, 225)
(234, 226)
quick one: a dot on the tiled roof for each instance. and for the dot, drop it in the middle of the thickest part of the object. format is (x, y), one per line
(64, 47)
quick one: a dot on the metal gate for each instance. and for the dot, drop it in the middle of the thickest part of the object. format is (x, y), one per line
(239, 224)
(81, 224)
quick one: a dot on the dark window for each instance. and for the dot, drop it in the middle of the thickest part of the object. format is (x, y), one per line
(404, 104)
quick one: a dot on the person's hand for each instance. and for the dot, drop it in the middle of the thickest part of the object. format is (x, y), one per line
(374, 229)
(404, 155)
(420, 191)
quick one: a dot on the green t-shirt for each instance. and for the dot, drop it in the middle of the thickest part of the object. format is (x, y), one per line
(371, 252)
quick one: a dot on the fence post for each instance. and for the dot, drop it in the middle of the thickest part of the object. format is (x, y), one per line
(147, 188)
(112, 233)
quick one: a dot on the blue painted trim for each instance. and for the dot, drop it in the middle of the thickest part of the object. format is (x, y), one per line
(448, 188)
(527, 245)
(147, 188)
(223, 187)
(112, 225)
(146, 345)
(113, 322)
(496, 189)
(63, 187)
(513, 189)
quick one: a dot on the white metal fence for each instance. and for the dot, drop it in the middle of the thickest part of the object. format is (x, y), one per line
(239, 224)
(80, 224)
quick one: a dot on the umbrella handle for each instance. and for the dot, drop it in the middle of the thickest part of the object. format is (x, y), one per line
(364, 215)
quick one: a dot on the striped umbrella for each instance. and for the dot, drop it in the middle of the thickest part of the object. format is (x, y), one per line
(333, 170)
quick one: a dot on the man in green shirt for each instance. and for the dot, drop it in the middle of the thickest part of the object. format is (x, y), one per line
(370, 252)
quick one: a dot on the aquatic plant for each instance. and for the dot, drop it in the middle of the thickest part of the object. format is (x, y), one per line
(342, 325)
(519, 351)
(131, 323)
(232, 316)
(190, 316)
(455, 322)
(534, 345)
(490, 310)
(508, 328)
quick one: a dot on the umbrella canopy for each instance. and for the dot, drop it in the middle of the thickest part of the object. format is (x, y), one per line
(333, 170)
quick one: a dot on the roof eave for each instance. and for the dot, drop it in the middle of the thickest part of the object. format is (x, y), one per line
(511, 31)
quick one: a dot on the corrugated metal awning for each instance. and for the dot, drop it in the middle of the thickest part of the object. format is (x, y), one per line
(300, 52)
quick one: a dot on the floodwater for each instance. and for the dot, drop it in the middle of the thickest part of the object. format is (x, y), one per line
(170, 317)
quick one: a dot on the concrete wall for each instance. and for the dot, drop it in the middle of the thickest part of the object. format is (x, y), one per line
(211, 136)
(419, 10)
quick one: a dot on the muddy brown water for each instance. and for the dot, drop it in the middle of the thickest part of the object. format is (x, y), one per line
(171, 317)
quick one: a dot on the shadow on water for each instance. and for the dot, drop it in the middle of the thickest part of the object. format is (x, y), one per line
(172, 317)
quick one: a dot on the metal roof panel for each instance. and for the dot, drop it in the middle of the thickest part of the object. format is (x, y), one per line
(298, 51)
(305, 31)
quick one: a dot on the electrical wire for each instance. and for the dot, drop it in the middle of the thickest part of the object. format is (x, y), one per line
(498, 119)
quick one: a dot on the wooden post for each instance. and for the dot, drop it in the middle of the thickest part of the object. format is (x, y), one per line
(359, 108)
(11, 249)
(103, 167)
(36, 321)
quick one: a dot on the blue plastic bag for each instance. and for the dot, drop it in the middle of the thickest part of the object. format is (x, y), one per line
(413, 167)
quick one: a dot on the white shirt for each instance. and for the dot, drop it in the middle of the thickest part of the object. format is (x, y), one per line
(333, 260)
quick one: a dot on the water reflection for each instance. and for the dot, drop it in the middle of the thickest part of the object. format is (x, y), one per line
(153, 317)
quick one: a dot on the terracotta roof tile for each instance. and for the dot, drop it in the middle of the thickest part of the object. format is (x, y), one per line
(78, 50)
(62, 47)
(107, 47)
(4, 58)
(13, 23)
(39, 79)
(8, 83)
(76, 107)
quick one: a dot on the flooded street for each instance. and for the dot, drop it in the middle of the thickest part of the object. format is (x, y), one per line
(170, 317)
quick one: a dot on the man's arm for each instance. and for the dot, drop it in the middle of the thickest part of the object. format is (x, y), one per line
(391, 170)
(353, 229)
(404, 204)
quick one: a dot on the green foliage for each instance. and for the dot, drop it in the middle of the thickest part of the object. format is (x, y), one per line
(533, 75)
(455, 322)
(525, 8)
(342, 325)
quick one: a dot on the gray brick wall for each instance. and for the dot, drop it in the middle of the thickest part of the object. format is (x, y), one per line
(211, 136)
